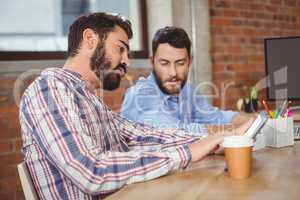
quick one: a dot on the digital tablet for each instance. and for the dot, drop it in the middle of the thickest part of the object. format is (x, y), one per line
(257, 125)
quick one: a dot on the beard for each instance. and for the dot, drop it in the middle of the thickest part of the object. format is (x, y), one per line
(111, 80)
(101, 66)
(166, 90)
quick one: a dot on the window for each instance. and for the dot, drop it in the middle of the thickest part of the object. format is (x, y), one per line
(35, 29)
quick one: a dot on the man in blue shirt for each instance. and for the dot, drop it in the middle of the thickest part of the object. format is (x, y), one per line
(165, 100)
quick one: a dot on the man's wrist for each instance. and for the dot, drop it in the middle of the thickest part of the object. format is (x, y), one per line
(220, 129)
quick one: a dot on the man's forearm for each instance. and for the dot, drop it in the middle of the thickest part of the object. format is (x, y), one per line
(219, 129)
(241, 118)
(203, 147)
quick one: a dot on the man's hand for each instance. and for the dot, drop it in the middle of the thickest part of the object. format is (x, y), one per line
(231, 129)
(212, 143)
(242, 118)
(204, 146)
(241, 129)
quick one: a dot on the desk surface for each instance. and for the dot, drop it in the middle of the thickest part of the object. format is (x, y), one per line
(275, 175)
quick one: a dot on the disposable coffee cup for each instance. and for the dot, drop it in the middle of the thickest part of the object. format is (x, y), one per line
(238, 155)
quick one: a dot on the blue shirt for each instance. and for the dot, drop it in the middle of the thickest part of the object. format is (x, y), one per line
(146, 103)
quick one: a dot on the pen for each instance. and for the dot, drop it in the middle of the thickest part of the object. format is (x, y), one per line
(267, 108)
(282, 108)
(271, 114)
(289, 113)
(275, 114)
(225, 168)
(285, 112)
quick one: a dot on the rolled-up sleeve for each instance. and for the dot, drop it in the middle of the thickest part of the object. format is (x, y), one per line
(204, 113)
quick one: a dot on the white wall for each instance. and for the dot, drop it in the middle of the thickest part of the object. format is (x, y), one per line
(159, 16)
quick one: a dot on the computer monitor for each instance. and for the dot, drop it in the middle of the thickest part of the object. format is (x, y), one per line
(282, 59)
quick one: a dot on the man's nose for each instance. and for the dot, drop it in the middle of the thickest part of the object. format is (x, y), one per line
(172, 70)
(125, 59)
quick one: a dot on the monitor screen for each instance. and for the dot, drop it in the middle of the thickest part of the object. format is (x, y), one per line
(282, 58)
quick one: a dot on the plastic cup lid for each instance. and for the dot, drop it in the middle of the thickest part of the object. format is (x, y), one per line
(237, 141)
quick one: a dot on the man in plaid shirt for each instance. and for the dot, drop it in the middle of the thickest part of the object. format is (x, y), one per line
(75, 147)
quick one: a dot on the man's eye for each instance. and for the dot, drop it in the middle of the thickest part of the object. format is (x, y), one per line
(180, 63)
(164, 63)
(122, 49)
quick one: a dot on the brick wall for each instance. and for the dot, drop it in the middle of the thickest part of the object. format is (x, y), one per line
(238, 28)
(10, 138)
(10, 142)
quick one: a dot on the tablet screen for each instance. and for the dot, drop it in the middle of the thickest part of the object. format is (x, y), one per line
(257, 125)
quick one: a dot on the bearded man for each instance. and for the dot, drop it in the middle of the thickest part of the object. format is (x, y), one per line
(165, 100)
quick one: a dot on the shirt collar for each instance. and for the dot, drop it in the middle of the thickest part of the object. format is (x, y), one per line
(62, 73)
(66, 75)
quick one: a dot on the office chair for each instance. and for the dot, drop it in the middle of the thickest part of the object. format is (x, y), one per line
(26, 182)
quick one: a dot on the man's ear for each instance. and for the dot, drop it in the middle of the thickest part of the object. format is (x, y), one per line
(151, 58)
(90, 39)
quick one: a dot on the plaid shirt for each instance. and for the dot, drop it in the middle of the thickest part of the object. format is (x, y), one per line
(76, 148)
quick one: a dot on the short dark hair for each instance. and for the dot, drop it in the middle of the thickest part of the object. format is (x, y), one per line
(174, 36)
(101, 23)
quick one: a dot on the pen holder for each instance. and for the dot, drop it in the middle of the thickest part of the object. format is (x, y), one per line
(260, 142)
(279, 132)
